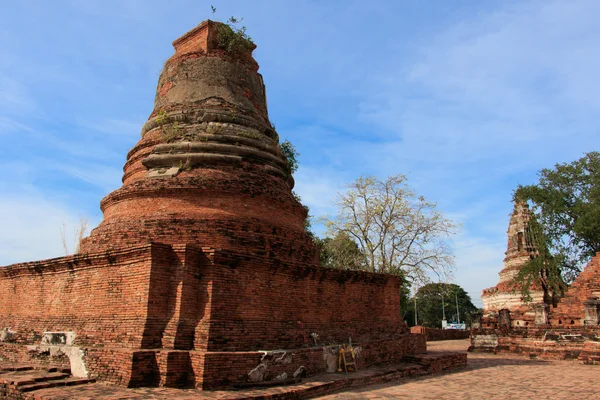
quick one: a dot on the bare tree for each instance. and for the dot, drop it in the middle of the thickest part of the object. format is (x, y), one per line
(397, 231)
(63, 238)
(79, 233)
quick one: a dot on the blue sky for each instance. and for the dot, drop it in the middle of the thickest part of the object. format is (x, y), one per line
(467, 98)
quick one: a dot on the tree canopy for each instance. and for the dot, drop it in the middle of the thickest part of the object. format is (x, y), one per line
(341, 252)
(566, 206)
(429, 300)
(395, 230)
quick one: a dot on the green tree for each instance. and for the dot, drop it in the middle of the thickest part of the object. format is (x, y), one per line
(566, 204)
(430, 311)
(398, 232)
(341, 252)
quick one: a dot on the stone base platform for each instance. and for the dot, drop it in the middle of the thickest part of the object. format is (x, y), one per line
(432, 362)
(552, 344)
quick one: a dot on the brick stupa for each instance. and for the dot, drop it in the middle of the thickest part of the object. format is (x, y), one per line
(208, 169)
(201, 265)
(506, 295)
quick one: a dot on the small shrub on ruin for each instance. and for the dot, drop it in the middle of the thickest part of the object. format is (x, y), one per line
(291, 156)
(233, 39)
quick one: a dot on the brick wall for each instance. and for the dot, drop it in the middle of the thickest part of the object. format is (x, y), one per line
(102, 297)
(571, 310)
(258, 303)
(434, 334)
(543, 342)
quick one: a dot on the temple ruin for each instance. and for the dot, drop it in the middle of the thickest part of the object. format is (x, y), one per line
(201, 273)
(505, 298)
(544, 326)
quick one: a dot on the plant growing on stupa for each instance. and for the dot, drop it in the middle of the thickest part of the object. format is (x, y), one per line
(232, 36)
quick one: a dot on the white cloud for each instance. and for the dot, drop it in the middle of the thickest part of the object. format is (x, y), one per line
(515, 79)
(105, 177)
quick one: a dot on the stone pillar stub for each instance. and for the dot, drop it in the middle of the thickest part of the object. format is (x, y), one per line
(504, 318)
(541, 314)
(476, 320)
(592, 306)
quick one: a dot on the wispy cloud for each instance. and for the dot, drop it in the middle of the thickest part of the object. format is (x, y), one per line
(14, 97)
(9, 125)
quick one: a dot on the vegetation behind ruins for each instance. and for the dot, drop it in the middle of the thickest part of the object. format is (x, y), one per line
(394, 231)
(434, 301)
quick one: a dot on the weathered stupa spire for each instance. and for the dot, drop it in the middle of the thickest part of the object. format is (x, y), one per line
(208, 169)
(506, 295)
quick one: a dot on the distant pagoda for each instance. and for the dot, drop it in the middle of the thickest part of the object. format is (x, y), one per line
(506, 295)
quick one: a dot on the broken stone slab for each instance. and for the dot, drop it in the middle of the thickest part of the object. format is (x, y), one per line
(78, 368)
(58, 338)
(61, 343)
(163, 172)
(575, 337)
(331, 362)
(301, 372)
(6, 335)
(258, 373)
(281, 377)
(269, 358)
(284, 359)
(484, 341)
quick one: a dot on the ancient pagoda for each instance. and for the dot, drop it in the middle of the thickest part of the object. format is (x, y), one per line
(506, 295)
(201, 273)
